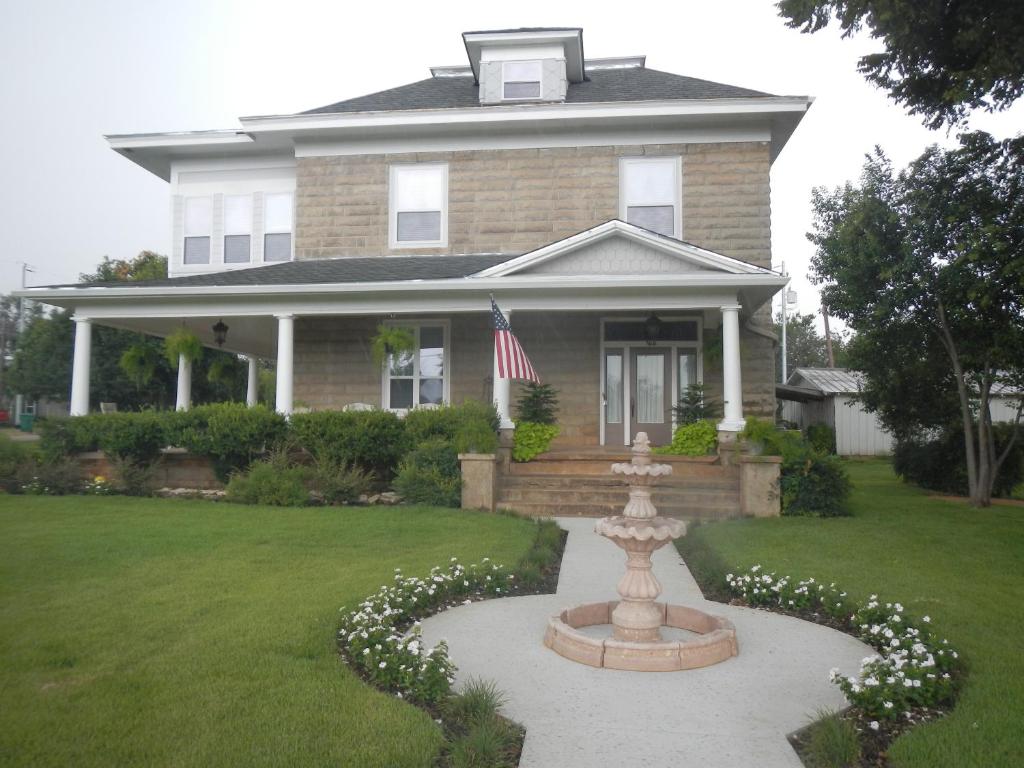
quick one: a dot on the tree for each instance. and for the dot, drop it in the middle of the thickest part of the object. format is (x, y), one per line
(146, 266)
(927, 266)
(805, 347)
(941, 60)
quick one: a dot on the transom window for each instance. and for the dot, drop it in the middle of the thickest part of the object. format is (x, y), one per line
(277, 226)
(419, 205)
(650, 189)
(198, 229)
(520, 80)
(237, 229)
(419, 377)
(636, 330)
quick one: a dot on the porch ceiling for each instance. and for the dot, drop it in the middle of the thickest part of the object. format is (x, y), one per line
(247, 334)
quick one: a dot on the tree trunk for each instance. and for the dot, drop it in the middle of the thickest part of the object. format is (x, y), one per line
(965, 405)
(986, 445)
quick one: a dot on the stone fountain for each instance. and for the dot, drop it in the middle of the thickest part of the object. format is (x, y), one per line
(636, 641)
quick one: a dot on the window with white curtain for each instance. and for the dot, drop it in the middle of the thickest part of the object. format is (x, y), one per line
(417, 378)
(650, 191)
(198, 229)
(277, 226)
(520, 80)
(237, 229)
(418, 205)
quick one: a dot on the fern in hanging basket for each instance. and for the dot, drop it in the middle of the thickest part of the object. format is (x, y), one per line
(138, 363)
(182, 343)
(391, 340)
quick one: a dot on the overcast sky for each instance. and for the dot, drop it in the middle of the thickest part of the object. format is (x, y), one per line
(72, 71)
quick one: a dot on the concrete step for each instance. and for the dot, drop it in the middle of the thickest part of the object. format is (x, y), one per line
(616, 482)
(662, 497)
(546, 509)
(682, 467)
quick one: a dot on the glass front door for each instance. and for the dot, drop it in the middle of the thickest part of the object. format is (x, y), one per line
(650, 401)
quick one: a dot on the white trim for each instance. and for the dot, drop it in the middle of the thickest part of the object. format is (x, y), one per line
(385, 374)
(393, 242)
(677, 186)
(616, 62)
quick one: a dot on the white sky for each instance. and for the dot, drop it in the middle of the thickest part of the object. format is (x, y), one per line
(72, 71)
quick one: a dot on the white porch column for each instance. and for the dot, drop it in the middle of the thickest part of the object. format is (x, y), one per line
(285, 362)
(253, 388)
(502, 391)
(184, 399)
(80, 367)
(732, 383)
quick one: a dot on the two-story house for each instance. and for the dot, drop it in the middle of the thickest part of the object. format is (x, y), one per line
(619, 215)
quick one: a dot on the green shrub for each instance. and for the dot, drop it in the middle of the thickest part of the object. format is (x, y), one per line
(133, 478)
(231, 435)
(479, 700)
(488, 743)
(695, 405)
(430, 474)
(531, 440)
(373, 441)
(697, 439)
(14, 456)
(338, 483)
(538, 404)
(833, 742)
(471, 427)
(60, 437)
(822, 437)
(267, 482)
(50, 477)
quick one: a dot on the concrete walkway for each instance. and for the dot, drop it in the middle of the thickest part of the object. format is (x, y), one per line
(732, 715)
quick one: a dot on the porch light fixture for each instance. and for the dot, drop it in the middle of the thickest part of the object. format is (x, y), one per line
(220, 333)
(652, 329)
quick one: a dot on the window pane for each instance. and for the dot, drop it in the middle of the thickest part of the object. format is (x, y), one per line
(198, 216)
(236, 249)
(650, 182)
(636, 330)
(657, 218)
(419, 226)
(650, 388)
(687, 370)
(420, 188)
(277, 247)
(526, 90)
(401, 364)
(278, 212)
(521, 70)
(401, 393)
(431, 351)
(613, 389)
(237, 215)
(431, 391)
(197, 250)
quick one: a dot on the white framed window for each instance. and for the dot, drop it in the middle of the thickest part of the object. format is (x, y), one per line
(418, 205)
(650, 192)
(419, 377)
(520, 80)
(278, 211)
(237, 229)
(198, 230)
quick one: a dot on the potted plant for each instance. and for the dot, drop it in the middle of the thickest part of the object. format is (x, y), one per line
(391, 340)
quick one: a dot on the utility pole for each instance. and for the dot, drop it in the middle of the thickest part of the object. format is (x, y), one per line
(828, 337)
(785, 301)
(19, 400)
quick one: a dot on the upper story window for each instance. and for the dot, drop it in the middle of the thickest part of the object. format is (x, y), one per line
(198, 229)
(277, 226)
(650, 192)
(237, 229)
(419, 377)
(520, 80)
(418, 210)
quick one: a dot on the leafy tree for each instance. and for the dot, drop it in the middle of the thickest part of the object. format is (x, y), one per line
(941, 60)
(146, 266)
(805, 347)
(927, 266)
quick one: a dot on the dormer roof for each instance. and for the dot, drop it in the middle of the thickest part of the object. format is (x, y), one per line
(569, 39)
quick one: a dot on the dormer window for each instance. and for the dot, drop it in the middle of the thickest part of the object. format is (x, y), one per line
(520, 80)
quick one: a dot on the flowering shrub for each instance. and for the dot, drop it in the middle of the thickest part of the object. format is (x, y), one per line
(912, 667)
(381, 638)
(98, 486)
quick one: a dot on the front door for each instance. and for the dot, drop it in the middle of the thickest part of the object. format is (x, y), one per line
(650, 406)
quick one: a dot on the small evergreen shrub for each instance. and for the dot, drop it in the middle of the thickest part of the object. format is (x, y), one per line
(338, 483)
(130, 477)
(267, 482)
(531, 440)
(538, 404)
(698, 438)
(373, 441)
(430, 474)
(822, 437)
(695, 406)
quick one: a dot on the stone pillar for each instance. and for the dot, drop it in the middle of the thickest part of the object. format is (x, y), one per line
(80, 367)
(252, 390)
(285, 362)
(184, 399)
(760, 495)
(503, 392)
(479, 475)
(732, 383)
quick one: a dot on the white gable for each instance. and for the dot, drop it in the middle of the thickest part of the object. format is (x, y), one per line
(615, 256)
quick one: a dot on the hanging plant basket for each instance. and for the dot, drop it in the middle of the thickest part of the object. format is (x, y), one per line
(391, 340)
(182, 343)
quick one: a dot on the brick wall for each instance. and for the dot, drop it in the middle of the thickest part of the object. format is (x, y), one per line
(512, 201)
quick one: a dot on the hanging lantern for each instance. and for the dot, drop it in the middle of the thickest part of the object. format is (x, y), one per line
(652, 329)
(220, 333)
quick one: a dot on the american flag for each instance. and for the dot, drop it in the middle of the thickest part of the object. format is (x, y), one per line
(512, 360)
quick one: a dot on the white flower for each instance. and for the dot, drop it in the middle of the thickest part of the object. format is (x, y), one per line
(382, 664)
(873, 725)
(887, 704)
(366, 651)
(926, 619)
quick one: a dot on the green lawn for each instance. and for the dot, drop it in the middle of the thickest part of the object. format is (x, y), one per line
(963, 567)
(169, 633)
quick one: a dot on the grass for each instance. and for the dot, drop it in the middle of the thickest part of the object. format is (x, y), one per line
(963, 567)
(151, 632)
(832, 742)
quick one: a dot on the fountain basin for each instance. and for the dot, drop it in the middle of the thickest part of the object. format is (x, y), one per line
(717, 641)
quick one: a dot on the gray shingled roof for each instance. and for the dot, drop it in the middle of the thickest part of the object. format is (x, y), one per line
(341, 270)
(830, 381)
(602, 85)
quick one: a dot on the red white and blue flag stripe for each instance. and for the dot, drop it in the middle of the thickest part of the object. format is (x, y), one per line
(512, 360)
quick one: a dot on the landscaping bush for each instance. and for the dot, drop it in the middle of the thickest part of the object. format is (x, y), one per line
(231, 435)
(430, 474)
(130, 477)
(695, 405)
(698, 438)
(530, 440)
(471, 427)
(338, 483)
(60, 437)
(822, 437)
(135, 436)
(940, 464)
(538, 404)
(267, 482)
(14, 456)
(373, 441)
(50, 477)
